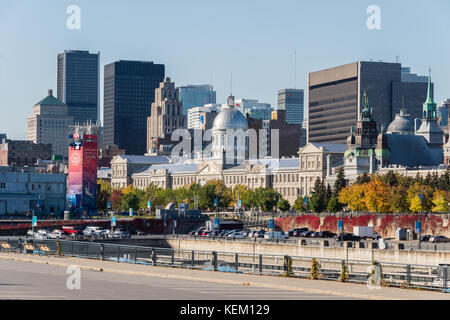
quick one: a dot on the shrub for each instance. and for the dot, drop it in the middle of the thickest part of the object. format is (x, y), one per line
(315, 269)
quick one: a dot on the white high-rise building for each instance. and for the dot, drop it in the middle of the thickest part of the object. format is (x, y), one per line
(256, 109)
(202, 117)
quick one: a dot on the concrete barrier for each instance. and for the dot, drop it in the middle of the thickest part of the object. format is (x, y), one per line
(369, 254)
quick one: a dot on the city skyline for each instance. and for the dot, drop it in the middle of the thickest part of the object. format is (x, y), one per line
(23, 77)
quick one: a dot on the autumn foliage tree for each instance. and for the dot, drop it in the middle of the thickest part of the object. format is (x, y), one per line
(353, 197)
(376, 195)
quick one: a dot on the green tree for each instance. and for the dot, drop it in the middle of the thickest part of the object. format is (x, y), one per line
(130, 200)
(440, 201)
(299, 206)
(334, 205)
(363, 178)
(248, 198)
(283, 205)
(413, 198)
(398, 199)
(318, 201)
(340, 182)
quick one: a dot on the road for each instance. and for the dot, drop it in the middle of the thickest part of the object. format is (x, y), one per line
(23, 280)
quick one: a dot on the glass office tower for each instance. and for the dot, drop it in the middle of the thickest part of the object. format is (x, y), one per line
(129, 91)
(196, 96)
(78, 84)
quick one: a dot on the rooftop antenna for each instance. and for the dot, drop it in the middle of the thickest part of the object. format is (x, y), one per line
(396, 59)
(231, 83)
(295, 69)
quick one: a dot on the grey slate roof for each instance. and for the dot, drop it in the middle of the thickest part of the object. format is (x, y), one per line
(413, 151)
(104, 173)
(145, 159)
(331, 147)
(172, 168)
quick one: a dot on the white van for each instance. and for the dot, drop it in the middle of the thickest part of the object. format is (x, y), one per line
(90, 231)
(275, 235)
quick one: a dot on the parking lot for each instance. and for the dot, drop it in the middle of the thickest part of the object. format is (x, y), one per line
(304, 236)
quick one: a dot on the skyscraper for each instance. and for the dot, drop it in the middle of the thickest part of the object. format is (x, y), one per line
(335, 97)
(129, 91)
(78, 84)
(291, 100)
(166, 115)
(196, 96)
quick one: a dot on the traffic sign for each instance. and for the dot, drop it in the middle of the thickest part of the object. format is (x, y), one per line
(341, 225)
(149, 204)
(34, 221)
(272, 224)
(239, 203)
(418, 227)
(113, 221)
(215, 202)
(421, 197)
(108, 205)
(131, 212)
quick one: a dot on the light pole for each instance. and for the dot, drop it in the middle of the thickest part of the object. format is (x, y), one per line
(419, 223)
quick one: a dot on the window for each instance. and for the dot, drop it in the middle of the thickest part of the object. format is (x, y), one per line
(2, 185)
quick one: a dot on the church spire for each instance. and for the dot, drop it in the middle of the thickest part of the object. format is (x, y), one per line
(429, 107)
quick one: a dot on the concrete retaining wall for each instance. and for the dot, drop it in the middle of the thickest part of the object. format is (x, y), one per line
(395, 256)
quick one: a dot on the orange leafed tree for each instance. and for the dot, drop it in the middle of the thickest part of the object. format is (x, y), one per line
(376, 195)
(353, 196)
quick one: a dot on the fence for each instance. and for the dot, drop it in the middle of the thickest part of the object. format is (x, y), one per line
(358, 271)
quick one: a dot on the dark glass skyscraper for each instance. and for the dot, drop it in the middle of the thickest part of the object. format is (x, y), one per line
(129, 91)
(78, 84)
(335, 95)
(291, 100)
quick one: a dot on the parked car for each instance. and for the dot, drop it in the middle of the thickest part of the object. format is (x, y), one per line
(276, 235)
(307, 234)
(223, 233)
(213, 233)
(97, 232)
(42, 234)
(71, 230)
(326, 234)
(297, 232)
(439, 239)
(195, 231)
(140, 233)
(56, 234)
(199, 232)
(425, 238)
(347, 237)
(316, 234)
(238, 235)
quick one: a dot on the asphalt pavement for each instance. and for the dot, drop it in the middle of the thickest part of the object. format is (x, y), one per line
(24, 280)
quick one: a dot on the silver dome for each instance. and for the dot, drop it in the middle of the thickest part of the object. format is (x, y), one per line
(230, 118)
(402, 124)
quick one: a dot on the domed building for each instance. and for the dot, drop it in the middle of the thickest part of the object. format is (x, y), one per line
(402, 124)
(230, 135)
(405, 143)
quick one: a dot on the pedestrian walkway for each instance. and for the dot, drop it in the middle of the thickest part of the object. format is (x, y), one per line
(334, 288)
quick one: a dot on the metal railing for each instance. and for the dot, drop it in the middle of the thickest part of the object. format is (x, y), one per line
(358, 271)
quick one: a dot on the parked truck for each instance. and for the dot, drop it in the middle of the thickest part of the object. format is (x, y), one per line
(365, 232)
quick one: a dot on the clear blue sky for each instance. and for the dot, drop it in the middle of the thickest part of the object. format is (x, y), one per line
(255, 40)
